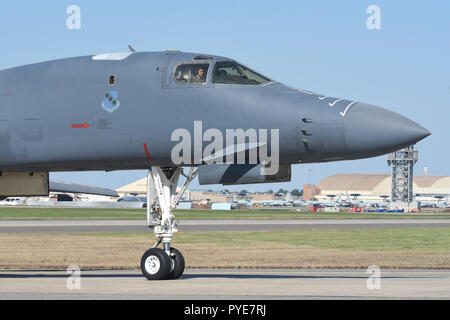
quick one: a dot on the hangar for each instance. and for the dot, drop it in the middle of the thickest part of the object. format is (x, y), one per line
(136, 187)
(371, 187)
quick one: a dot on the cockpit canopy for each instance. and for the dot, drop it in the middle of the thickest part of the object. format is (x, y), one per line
(225, 72)
(231, 72)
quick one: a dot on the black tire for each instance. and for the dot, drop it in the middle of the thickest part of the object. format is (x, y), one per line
(178, 261)
(155, 264)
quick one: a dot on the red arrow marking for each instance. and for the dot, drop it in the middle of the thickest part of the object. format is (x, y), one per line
(84, 125)
(146, 151)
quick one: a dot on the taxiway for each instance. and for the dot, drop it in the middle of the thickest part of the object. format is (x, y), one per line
(227, 284)
(93, 226)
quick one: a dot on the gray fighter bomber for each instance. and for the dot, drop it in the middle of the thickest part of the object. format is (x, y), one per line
(165, 111)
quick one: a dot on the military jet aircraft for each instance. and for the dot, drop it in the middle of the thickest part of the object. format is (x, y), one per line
(439, 205)
(165, 111)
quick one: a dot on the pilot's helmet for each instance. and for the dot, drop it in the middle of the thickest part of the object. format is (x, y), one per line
(187, 75)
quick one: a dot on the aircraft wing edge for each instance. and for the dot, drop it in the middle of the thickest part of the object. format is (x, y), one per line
(59, 186)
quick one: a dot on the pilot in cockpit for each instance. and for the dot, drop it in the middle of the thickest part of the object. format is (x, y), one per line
(198, 75)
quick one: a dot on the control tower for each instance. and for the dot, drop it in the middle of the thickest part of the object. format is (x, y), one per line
(402, 163)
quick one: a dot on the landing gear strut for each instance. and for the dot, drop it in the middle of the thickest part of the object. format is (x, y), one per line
(162, 197)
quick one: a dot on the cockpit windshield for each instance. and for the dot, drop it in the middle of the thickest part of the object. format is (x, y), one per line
(231, 72)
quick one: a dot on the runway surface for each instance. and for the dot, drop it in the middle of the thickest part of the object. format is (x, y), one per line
(93, 226)
(228, 285)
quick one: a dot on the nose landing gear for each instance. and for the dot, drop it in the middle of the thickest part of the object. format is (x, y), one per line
(162, 197)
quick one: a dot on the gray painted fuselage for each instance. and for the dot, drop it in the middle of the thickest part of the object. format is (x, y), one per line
(51, 116)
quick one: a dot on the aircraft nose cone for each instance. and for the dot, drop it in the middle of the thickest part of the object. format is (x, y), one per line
(371, 130)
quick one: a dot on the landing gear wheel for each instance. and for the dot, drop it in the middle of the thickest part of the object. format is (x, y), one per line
(178, 264)
(155, 264)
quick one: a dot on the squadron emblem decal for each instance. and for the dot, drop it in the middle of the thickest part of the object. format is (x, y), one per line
(111, 102)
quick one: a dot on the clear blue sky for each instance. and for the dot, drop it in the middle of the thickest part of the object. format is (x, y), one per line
(322, 46)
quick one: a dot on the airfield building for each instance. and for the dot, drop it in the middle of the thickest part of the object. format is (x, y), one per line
(367, 187)
(372, 187)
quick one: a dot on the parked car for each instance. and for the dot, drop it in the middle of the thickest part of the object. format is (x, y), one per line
(141, 199)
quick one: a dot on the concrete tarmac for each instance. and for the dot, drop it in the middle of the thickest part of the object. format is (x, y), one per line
(224, 284)
(93, 226)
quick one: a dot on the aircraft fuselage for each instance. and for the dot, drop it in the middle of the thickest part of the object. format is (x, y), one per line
(119, 112)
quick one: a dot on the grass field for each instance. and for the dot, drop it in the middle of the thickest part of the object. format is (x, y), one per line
(387, 248)
(139, 214)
